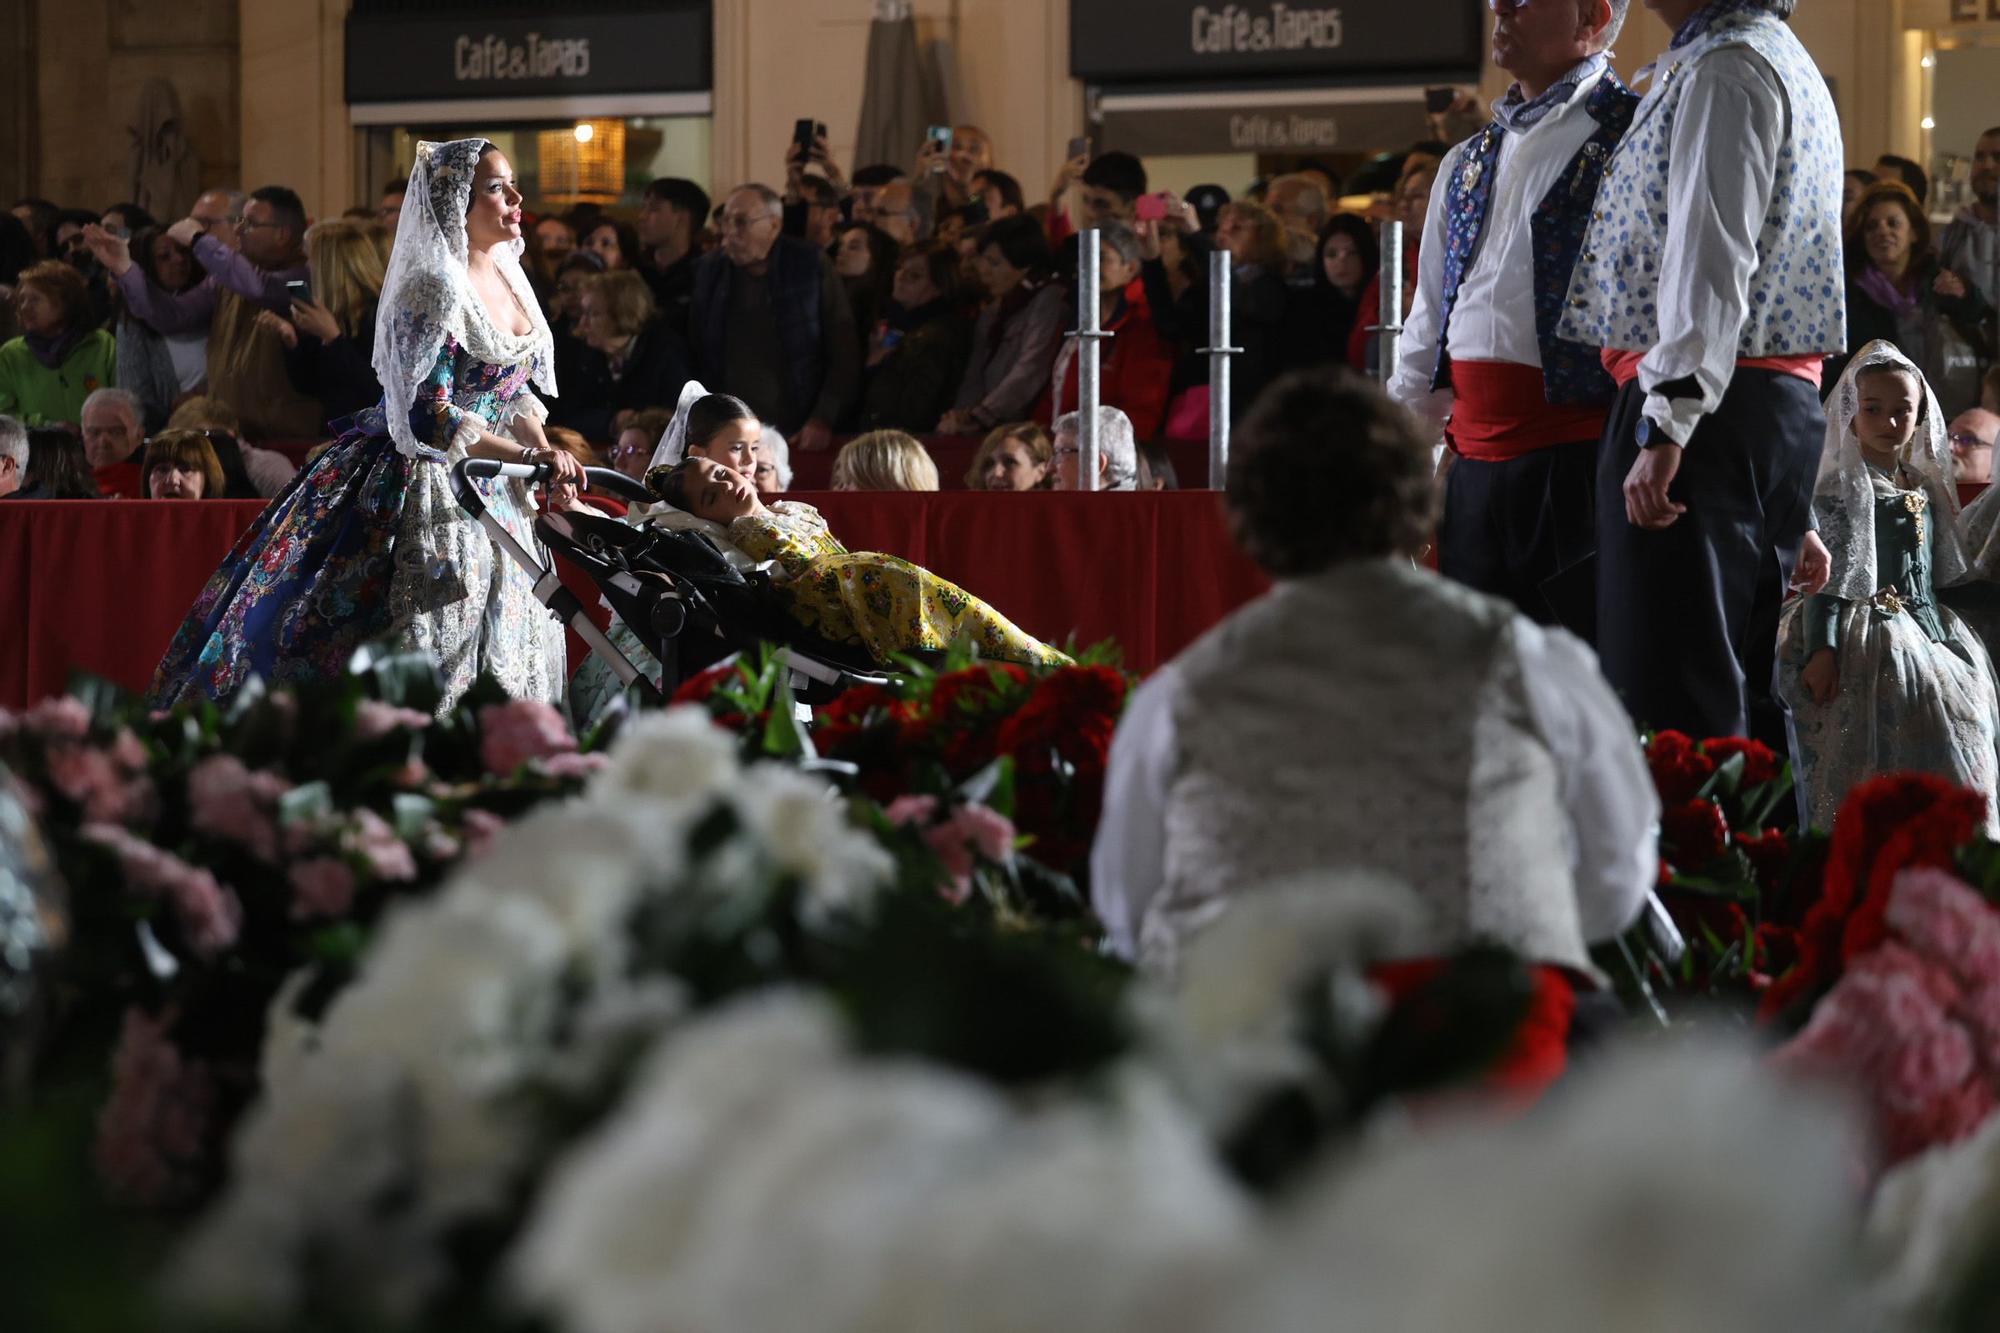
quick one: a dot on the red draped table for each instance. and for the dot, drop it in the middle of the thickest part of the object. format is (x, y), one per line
(100, 585)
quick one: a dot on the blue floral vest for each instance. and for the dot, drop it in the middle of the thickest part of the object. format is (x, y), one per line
(1571, 372)
(1797, 302)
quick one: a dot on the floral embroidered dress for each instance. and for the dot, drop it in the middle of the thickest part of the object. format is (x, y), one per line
(367, 542)
(887, 605)
(1916, 687)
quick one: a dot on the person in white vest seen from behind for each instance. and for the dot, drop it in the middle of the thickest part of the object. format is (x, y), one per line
(1369, 715)
(1712, 278)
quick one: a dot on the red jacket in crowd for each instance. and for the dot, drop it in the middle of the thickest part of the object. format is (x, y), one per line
(1134, 376)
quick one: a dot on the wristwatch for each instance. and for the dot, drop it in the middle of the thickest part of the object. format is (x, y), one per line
(1648, 434)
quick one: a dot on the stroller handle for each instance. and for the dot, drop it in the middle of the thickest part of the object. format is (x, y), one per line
(604, 480)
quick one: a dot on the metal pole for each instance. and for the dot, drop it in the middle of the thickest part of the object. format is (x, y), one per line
(1221, 265)
(1389, 319)
(1088, 333)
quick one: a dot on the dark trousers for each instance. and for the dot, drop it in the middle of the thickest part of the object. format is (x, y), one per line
(1510, 528)
(1688, 616)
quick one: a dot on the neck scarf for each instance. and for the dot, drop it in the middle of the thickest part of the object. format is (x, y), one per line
(1515, 112)
(52, 352)
(1899, 300)
(1709, 15)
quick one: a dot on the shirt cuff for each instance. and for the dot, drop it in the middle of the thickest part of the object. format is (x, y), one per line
(1675, 418)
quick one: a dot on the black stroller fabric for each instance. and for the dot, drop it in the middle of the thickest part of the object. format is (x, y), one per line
(685, 601)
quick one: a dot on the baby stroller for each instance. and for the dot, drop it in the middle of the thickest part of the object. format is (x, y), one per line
(687, 604)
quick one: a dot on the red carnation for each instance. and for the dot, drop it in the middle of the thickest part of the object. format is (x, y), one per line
(1679, 769)
(1071, 713)
(1694, 833)
(837, 724)
(1885, 825)
(1769, 852)
(696, 688)
(976, 687)
(1760, 762)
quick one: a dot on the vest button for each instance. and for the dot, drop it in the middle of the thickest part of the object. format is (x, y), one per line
(1589, 258)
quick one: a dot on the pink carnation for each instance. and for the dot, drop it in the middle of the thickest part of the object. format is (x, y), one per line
(387, 856)
(129, 751)
(906, 810)
(154, 1128)
(481, 828)
(373, 718)
(226, 800)
(62, 718)
(321, 887)
(88, 776)
(1945, 920)
(574, 765)
(513, 733)
(207, 913)
(1914, 1023)
(971, 834)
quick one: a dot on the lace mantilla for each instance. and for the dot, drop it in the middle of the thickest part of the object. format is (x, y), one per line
(1844, 496)
(428, 296)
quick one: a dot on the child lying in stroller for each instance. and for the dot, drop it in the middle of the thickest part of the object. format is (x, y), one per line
(887, 605)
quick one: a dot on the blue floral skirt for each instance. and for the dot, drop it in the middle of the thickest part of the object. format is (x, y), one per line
(368, 544)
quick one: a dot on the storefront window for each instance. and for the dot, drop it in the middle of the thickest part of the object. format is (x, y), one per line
(604, 161)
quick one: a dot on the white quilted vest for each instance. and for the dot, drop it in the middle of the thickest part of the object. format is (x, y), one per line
(1370, 717)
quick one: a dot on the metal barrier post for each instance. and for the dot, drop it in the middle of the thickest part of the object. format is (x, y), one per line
(1088, 334)
(1221, 272)
(1389, 318)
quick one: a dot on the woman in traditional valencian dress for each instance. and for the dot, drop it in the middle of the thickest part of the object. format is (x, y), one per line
(887, 605)
(367, 543)
(1878, 676)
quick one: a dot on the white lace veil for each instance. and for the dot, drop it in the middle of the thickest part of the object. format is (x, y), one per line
(673, 441)
(1844, 496)
(427, 294)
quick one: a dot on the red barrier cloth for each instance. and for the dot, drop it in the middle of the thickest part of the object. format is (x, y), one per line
(101, 585)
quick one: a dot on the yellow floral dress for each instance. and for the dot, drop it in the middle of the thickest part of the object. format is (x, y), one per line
(885, 604)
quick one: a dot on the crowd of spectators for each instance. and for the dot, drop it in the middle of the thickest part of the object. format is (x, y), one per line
(926, 299)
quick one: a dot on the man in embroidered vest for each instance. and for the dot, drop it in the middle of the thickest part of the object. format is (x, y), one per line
(1521, 410)
(1711, 276)
(1368, 715)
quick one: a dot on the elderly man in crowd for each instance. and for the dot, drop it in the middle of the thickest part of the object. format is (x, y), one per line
(13, 455)
(670, 222)
(1520, 409)
(1725, 191)
(1367, 715)
(113, 441)
(1117, 452)
(772, 324)
(248, 263)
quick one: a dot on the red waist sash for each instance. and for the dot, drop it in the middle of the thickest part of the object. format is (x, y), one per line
(1624, 366)
(1500, 411)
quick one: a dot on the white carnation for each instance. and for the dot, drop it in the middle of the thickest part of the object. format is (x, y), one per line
(803, 824)
(677, 756)
(1223, 1026)
(1662, 1191)
(407, 1088)
(1934, 1218)
(759, 1177)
